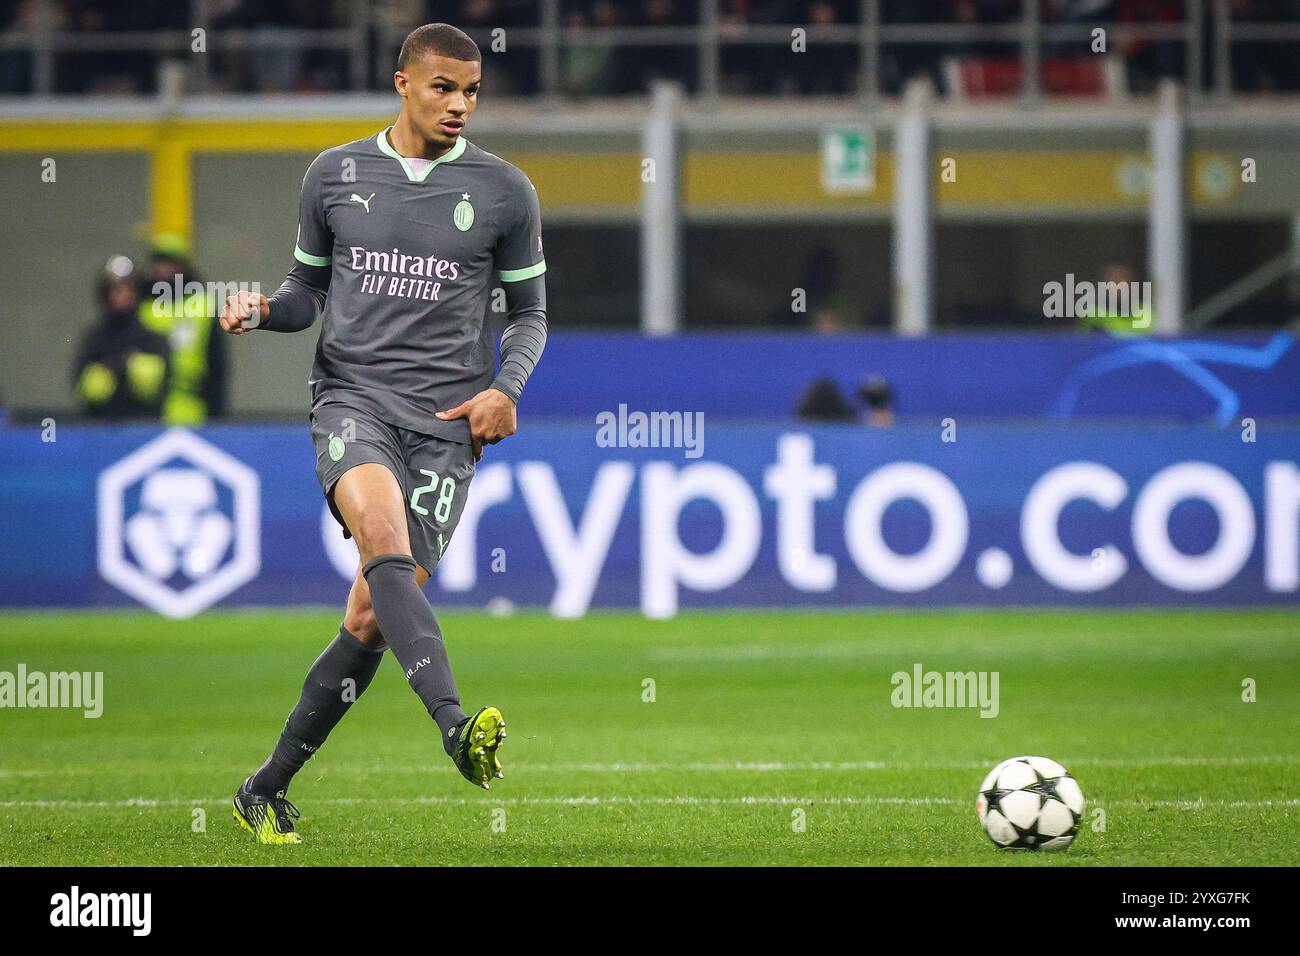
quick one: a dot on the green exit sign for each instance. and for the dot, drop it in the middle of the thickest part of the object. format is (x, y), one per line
(848, 159)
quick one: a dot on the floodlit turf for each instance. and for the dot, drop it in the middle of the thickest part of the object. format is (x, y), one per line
(758, 719)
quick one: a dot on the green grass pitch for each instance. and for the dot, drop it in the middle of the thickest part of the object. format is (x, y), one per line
(756, 717)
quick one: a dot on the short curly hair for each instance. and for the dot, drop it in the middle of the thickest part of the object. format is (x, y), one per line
(440, 39)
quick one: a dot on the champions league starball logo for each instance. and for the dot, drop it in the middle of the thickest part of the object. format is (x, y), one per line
(178, 524)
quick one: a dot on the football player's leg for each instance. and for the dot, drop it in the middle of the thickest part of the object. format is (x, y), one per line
(340, 675)
(359, 619)
(438, 476)
(335, 682)
(374, 507)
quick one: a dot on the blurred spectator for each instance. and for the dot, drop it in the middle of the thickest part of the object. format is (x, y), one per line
(747, 67)
(1147, 61)
(878, 396)
(175, 304)
(121, 367)
(830, 68)
(645, 64)
(279, 59)
(901, 62)
(823, 402)
(590, 69)
(1076, 12)
(986, 12)
(1117, 287)
(114, 71)
(512, 71)
(16, 65)
(275, 63)
(1263, 67)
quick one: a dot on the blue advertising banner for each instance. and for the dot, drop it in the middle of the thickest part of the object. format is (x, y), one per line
(1060, 377)
(577, 517)
(571, 517)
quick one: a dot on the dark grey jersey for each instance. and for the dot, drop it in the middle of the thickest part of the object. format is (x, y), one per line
(413, 255)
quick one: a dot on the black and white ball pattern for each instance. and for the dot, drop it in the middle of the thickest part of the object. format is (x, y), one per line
(1030, 803)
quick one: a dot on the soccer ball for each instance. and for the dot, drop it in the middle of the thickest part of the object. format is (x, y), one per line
(1030, 803)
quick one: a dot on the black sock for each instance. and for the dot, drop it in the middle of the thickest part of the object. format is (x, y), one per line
(326, 697)
(411, 630)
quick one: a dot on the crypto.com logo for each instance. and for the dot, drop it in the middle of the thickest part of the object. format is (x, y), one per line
(180, 548)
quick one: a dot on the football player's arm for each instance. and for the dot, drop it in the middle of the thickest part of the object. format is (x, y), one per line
(300, 298)
(522, 271)
(524, 336)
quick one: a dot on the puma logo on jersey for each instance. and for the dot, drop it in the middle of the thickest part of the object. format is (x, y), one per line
(365, 202)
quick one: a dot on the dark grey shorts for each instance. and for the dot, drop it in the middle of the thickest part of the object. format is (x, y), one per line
(434, 473)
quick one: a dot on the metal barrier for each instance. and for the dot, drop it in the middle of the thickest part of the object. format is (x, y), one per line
(551, 39)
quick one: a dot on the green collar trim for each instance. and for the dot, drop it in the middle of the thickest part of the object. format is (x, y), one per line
(386, 148)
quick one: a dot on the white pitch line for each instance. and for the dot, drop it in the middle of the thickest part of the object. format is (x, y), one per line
(143, 802)
(146, 803)
(888, 648)
(760, 652)
(778, 766)
(765, 766)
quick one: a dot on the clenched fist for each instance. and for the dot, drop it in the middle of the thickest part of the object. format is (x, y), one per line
(243, 311)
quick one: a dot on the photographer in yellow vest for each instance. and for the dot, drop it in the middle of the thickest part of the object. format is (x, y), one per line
(176, 305)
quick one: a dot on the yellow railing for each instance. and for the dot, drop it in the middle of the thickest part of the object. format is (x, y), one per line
(578, 181)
